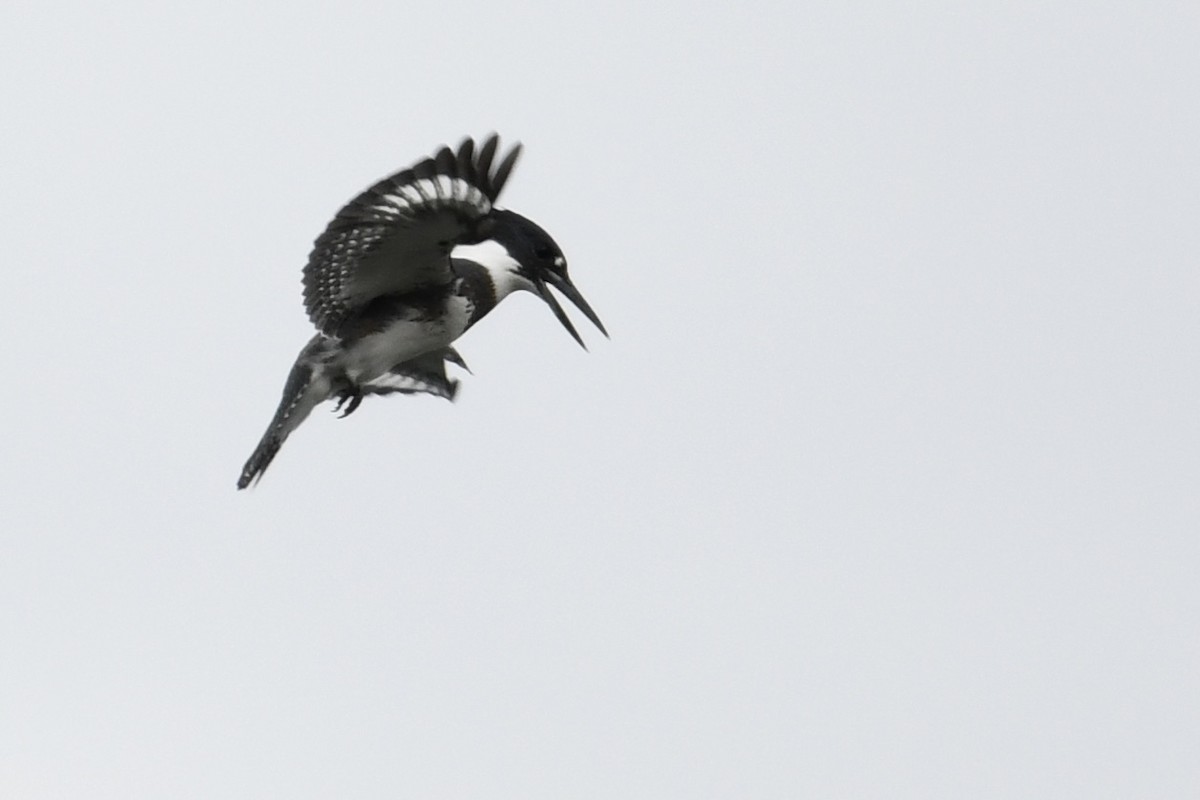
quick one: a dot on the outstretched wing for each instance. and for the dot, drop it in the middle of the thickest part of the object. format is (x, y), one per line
(425, 373)
(397, 235)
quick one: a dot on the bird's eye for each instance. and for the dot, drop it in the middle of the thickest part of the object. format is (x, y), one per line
(543, 253)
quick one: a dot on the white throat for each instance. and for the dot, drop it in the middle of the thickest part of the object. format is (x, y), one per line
(501, 267)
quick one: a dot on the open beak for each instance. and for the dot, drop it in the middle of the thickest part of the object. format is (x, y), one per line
(564, 285)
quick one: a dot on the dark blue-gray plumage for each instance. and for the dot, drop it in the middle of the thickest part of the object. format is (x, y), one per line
(400, 273)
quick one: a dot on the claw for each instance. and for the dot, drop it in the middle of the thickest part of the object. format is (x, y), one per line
(351, 393)
(355, 402)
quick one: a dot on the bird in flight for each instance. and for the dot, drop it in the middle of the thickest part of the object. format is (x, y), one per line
(401, 272)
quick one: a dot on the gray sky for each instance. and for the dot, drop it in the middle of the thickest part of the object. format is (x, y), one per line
(885, 487)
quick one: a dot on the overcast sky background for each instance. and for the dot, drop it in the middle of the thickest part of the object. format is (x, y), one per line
(884, 487)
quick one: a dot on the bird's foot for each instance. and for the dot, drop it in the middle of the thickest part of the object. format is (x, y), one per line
(354, 395)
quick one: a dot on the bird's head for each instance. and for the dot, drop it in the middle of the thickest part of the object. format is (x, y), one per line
(537, 263)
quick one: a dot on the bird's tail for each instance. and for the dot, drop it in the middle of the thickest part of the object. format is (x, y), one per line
(307, 386)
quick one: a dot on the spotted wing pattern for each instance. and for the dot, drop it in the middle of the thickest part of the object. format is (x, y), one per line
(397, 235)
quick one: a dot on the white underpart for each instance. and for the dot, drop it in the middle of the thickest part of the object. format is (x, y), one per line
(502, 267)
(375, 354)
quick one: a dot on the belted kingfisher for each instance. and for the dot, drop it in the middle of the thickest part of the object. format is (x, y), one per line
(400, 273)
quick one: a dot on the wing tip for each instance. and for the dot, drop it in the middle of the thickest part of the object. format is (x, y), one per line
(492, 180)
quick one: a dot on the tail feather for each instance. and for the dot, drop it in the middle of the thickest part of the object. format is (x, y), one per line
(311, 382)
(261, 458)
(305, 388)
